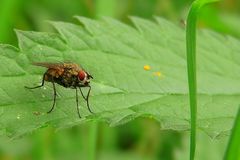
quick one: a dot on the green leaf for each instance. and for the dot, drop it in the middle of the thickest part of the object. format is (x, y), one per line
(115, 54)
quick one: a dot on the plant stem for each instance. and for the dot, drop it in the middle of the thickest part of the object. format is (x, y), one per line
(92, 140)
(191, 66)
(233, 149)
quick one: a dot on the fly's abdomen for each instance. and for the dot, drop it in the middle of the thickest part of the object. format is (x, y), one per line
(67, 80)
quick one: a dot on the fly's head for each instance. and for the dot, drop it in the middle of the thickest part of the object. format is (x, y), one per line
(84, 78)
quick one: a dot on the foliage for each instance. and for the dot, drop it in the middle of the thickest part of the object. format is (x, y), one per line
(115, 54)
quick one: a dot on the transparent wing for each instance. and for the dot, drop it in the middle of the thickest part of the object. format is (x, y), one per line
(48, 65)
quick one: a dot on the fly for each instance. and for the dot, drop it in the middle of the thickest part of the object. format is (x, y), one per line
(68, 75)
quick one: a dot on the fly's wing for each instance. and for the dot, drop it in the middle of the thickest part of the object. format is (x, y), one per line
(55, 70)
(70, 64)
(49, 65)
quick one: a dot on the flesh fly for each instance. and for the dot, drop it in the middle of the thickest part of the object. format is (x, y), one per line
(68, 75)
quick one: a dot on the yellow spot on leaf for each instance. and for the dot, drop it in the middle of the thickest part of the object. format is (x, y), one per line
(157, 74)
(146, 67)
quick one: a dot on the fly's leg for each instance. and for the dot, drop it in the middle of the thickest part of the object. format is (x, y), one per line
(82, 94)
(77, 103)
(54, 98)
(86, 98)
(37, 86)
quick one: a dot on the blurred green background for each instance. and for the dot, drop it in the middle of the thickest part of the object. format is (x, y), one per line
(139, 139)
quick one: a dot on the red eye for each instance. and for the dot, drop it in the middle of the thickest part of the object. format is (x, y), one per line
(81, 75)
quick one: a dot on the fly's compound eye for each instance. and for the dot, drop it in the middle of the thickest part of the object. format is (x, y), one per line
(81, 75)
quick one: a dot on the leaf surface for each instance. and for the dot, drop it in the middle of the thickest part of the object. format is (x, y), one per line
(115, 54)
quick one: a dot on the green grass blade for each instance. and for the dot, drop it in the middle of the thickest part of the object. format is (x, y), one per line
(191, 65)
(233, 150)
